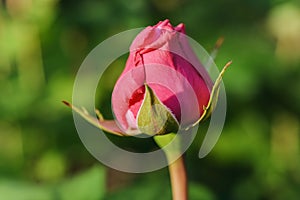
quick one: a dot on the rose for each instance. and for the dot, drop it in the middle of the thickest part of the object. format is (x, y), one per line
(163, 87)
(159, 46)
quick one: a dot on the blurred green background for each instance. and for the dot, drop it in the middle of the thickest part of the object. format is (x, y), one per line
(42, 44)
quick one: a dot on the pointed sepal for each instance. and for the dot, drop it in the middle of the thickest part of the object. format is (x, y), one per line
(109, 126)
(213, 100)
(154, 118)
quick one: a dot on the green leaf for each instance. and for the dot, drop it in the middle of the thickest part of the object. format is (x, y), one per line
(154, 118)
(213, 100)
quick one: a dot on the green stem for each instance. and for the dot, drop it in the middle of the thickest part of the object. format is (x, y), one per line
(176, 165)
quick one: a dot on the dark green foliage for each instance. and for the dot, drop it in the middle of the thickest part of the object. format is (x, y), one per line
(42, 45)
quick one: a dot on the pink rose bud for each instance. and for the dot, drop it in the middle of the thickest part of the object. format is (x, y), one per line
(163, 87)
(157, 59)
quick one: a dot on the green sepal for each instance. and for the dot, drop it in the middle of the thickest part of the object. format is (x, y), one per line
(214, 95)
(154, 118)
(109, 126)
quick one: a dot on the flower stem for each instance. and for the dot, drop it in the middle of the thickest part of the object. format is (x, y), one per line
(176, 165)
(178, 179)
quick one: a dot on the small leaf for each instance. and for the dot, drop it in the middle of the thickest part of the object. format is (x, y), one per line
(213, 100)
(109, 126)
(154, 118)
